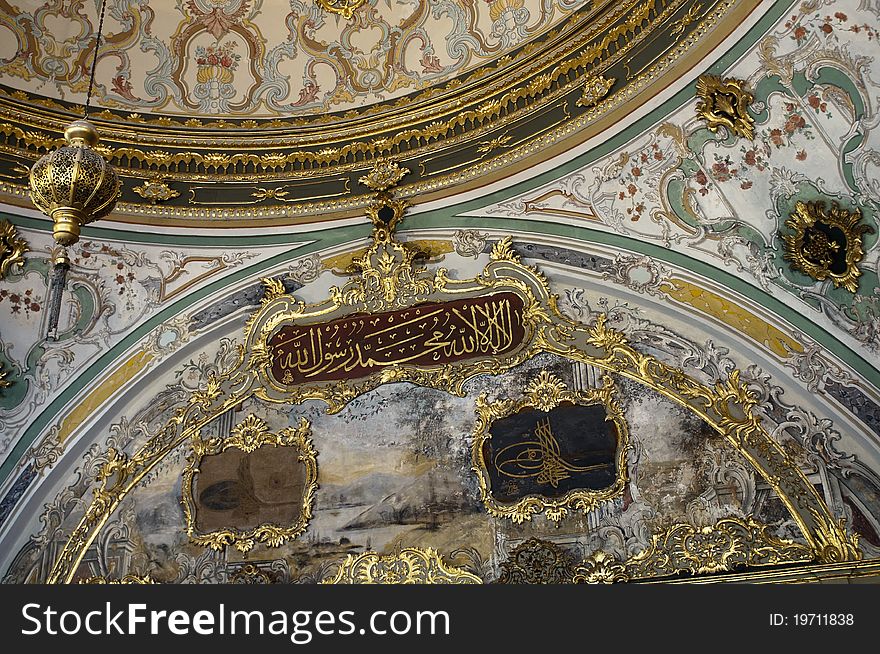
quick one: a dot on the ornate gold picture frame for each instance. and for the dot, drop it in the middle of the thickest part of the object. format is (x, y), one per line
(542, 457)
(247, 437)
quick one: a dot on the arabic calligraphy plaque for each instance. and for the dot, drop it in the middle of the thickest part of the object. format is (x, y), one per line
(551, 453)
(424, 335)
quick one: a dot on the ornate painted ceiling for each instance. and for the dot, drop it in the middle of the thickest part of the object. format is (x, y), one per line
(246, 59)
(310, 100)
(629, 203)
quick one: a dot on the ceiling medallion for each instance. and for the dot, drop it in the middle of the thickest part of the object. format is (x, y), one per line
(595, 89)
(344, 8)
(826, 243)
(155, 190)
(12, 249)
(724, 102)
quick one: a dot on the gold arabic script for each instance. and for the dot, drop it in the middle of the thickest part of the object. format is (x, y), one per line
(540, 458)
(427, 334)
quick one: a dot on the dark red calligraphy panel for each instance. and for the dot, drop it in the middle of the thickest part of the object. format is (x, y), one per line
(428, 334)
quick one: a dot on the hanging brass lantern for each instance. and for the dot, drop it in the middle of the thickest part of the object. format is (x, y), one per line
(74, 185)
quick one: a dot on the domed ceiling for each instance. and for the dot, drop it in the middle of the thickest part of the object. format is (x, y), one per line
(241, 131)
(246, 59)
(277, 109)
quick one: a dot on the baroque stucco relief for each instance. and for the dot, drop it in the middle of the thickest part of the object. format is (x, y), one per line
(258, 59)
(724, 200)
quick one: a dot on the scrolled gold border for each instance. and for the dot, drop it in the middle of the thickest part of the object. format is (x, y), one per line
(728, 406)
(127, 579)
(410, 565)
(249, 435)
(683, 549)
(544, 393)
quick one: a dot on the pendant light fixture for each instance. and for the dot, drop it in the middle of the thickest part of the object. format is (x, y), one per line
(73, 185)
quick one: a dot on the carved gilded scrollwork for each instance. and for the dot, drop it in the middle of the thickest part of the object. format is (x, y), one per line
(826, 243)
(155, 190)
(600, 568)
(536, 561)
(385, 174)
(730, 544)
(127, 579)
(388, 277)
(251, 574)
(410, 566)
(724, 103)
(543, 456)
(248, 436)
(595, 89)
(12, 249)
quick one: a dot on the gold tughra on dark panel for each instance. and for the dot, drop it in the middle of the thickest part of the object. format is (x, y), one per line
(552, 452)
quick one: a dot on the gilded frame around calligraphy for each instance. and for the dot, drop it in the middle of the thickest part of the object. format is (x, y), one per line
(390, 280)
(545, 393)
(249, 435)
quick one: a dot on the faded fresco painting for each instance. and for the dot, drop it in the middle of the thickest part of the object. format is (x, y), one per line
(395, 472)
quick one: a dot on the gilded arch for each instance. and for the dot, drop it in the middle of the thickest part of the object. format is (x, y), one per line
(389, 279)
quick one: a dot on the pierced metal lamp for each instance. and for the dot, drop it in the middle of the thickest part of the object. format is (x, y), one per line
(73, 185)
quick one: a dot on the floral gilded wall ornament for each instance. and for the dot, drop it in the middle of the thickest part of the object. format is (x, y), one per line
(344, 8)
(724, 103)
(595, 89)
(155, 190)
(384, 175)
(12, 249)
(826, 243)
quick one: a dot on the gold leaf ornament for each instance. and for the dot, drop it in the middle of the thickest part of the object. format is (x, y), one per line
(12, 249)
(724, 103)
(826, 243)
